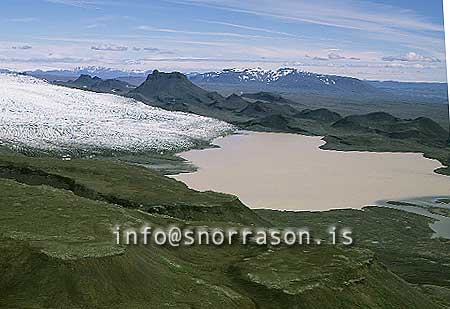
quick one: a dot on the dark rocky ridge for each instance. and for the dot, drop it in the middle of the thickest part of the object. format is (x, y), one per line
(96, 84)
(422, 129)
(378, 131)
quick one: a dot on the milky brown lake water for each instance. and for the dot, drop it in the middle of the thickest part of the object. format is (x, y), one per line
(289, 171)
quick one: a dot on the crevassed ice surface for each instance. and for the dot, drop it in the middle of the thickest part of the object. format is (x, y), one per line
(42, 116)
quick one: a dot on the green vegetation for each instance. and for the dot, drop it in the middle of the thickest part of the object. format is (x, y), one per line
(437, 210)
(401, 240)
(58, 249)
(129, 186)
(326, 278)
(440, 211)
(57, 217)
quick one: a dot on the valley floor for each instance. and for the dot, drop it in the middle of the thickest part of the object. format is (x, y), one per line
(57, 216)
(57, 248)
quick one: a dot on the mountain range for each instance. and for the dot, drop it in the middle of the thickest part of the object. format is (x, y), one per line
(265, 111)
(96, 84)
(284, 80)
(272, 111)
(295, 81)
(175, 91)
(71, 74)
(414, 91)
(75, 204)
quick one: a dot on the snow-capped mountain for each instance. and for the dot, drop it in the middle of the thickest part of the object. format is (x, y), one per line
(283, 79)
(102, 72)
(38, 115)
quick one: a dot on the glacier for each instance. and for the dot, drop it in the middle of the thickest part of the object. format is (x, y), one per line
(38, 115)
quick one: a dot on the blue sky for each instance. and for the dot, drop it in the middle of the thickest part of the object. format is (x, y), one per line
(376, 39)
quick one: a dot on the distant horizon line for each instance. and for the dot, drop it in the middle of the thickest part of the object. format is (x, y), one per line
(150, 71)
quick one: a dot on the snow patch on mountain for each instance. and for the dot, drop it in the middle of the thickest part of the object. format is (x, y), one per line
(38, 115)
(264, 76)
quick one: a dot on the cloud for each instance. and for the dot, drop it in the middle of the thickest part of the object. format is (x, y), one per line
(335, 56)
(347, 15)
(108, 47)
(374, 21)
(411, 57)
(245, 27)
(214, 36)
(316, 58)
(93, 26)
(71, 39)
(23, 47)
(206, 60)
(23, 19)
(205, 33)
(73, 60)
(158, 51)
(75, 3)
(153, 50)
(332, 56)
(408, 66)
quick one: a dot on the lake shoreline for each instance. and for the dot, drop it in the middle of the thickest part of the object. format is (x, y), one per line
(325, 146)
(218, 143)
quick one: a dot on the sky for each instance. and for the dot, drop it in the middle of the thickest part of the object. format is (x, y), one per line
(371, 39)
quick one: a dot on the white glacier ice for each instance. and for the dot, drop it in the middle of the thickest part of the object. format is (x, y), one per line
(35, 114)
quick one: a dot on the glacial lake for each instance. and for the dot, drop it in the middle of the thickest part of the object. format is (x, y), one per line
(290, 172)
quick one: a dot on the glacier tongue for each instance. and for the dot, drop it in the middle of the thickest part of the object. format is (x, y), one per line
(38, 115)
